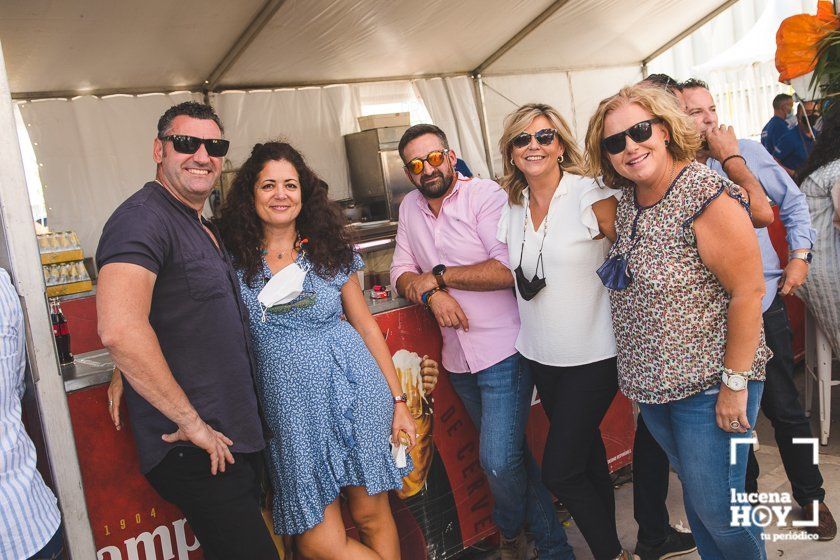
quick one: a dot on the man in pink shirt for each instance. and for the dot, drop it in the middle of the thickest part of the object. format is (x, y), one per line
(447, 258)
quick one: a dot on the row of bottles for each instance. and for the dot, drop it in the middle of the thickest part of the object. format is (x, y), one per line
(58, 241)
(65, 273)
(61, 332)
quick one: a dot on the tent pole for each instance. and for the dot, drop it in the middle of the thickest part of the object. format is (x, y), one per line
(200, 88)
(19, 255)
(251, 32)
(478, 84)
(524, 32)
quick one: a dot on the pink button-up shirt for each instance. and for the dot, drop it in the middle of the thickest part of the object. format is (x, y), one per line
(464, 233)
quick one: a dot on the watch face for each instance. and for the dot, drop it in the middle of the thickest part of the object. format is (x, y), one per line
(438, 269)
(737, 383)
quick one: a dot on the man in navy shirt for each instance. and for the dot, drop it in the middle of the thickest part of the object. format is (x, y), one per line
(795, 145)
(170, 314)
(778, 124)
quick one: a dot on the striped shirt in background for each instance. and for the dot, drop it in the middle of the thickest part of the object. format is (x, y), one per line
(28, 513)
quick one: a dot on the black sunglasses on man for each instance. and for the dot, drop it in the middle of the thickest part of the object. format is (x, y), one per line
(216, 147)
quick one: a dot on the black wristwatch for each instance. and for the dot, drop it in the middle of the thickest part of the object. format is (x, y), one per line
(438, 273)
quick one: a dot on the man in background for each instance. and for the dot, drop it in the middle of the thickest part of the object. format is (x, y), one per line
(780, 400)
(779, 123)
(794, 146)
(30, 523)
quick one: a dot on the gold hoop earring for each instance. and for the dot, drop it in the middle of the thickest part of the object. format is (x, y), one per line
(561, 158)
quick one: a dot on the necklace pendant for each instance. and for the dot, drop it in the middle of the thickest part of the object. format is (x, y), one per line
(264, 252)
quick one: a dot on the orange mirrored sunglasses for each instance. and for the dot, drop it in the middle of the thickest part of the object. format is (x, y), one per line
(435, 159)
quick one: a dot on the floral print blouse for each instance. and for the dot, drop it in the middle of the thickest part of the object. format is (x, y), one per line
(670, 322)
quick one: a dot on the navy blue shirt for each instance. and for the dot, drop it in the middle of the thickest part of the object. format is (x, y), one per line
(462, 168)
(793, 148)
(197, 315)
(775, 128)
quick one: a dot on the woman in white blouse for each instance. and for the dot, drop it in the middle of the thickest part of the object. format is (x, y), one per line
(558, 226)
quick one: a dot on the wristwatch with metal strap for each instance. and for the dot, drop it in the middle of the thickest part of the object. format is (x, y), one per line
(805, 254)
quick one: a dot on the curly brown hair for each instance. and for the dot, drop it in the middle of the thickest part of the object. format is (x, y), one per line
(320, 222)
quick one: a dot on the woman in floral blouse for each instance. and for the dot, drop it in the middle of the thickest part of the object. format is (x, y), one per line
(685, 293)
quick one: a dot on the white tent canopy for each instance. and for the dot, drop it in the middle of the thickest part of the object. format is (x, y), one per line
(759, 43)
(99, 46)
(313, 63)
(93, 76)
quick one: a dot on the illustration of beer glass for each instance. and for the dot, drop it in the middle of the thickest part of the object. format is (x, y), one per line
(411, 379)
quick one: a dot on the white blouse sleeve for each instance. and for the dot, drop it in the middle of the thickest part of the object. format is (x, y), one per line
(590, 193)
(504, 223)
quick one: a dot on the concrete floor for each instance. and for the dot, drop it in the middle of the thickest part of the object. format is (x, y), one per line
(772, 479)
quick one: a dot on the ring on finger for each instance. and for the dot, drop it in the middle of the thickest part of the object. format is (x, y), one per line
(734, 424)
(110, 403)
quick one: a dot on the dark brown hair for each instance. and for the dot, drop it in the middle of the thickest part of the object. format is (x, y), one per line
(419, 130)
(191, 109)
(321, 221)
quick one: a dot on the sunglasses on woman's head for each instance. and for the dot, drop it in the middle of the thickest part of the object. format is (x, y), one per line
(216, 147)
(544, 137)
(434, 158)
(639, 132)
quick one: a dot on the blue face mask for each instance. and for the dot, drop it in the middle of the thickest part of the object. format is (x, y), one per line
(790, 119)
(614, 273)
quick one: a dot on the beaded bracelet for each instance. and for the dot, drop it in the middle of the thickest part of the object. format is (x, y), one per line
(427, 296)
(723, 163)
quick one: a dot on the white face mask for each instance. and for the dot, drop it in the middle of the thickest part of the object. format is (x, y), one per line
(283, 287)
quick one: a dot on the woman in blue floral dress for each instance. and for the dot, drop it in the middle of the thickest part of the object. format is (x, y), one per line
(329, 389)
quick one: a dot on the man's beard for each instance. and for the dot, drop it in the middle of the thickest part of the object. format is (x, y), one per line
(436, 185)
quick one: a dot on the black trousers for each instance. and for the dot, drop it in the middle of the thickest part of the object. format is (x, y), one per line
(574, 465)
(223, 510)
(780, 404)
(650, 487)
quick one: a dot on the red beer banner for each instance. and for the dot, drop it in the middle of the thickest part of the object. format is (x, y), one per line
(444, 506)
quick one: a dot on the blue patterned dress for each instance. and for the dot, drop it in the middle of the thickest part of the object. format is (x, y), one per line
(324, 398)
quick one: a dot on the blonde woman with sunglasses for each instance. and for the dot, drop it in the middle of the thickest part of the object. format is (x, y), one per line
(685, 286)
(557, 226)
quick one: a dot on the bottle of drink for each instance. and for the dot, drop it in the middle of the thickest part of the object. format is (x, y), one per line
(61, 332)
(54, 317)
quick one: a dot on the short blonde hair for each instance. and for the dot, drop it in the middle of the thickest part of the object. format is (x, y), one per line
(684, 138)
(513, 180)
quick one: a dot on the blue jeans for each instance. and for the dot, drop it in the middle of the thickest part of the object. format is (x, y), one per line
(54, 549)
(498, 399)
(700, 453)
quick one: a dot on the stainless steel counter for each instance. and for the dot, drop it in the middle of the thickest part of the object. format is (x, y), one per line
(367, 231)
(94, 368)
(88, 369)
